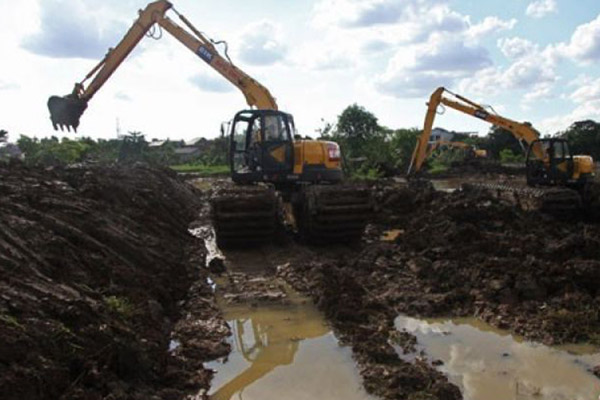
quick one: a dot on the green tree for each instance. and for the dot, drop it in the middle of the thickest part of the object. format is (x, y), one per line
(584, 138)
(403, 145)
(357, 124)
(499, 139)
(3, 135)
(133, 147)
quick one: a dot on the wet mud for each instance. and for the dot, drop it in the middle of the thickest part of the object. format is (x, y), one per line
(96, 267)
(108, 294)
(491, 364)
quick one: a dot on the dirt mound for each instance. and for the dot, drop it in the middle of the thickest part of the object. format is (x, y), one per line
(93, 262)
(467, 253)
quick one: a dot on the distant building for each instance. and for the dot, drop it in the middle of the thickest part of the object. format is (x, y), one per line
(440, 134)
(187, 153)
(155, 143)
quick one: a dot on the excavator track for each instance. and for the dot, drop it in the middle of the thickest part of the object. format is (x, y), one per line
(334, 213)
(551, 200)
(245, 215)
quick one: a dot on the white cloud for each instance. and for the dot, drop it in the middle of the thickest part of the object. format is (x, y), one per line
(208, 83)
(541, 8)
(532, 73)
(490, 25)
(260, 44)
(415, 70)
(8, 85)
(82, 32)
(588, 90)
(584, 45)
(428, 43)
(516, 47)
(123, 96)
(586, 98)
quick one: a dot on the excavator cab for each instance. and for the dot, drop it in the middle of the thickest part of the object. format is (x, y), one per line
(556, 167)
(261, 146)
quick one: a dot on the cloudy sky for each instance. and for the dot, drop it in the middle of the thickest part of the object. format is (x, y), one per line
(533, 60)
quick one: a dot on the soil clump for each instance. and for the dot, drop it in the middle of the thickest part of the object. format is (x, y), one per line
(97, 268)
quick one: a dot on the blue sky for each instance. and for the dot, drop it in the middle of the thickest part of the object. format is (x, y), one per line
(533, 60)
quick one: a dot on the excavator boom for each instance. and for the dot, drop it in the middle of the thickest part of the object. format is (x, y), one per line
(522, 131)
(65, 111)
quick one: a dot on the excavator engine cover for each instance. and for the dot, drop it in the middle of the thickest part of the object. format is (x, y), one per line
(66, 111)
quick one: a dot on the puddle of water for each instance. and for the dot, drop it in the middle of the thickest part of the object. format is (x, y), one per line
(284, 352)
(488, 364)
(446, 185)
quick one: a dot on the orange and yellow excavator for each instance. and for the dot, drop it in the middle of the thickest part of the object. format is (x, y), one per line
(561, 180)
(263, 149)
(471, 152)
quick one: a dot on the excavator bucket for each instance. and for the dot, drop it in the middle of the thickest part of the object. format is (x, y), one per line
(65, 111)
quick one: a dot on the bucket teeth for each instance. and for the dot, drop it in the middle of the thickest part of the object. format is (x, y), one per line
(65, 112)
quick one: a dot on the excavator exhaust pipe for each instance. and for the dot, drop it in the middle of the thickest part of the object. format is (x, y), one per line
(65, 111)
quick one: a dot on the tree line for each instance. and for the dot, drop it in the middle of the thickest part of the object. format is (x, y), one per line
(369, 148)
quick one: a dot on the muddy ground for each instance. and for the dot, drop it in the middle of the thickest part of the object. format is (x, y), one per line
(104, 294)
(98, 273)
(455, 254)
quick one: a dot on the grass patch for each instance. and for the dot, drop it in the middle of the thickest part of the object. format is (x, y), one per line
(437, 167)
(202, 169)
(119, 305)
(11, 321)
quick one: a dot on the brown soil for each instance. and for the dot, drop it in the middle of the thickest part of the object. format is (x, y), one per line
(467, 253)
(95, 270)
(456, 254)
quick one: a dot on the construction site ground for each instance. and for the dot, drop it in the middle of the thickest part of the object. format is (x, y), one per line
(112, 287)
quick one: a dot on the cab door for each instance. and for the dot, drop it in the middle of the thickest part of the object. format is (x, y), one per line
(277, 147)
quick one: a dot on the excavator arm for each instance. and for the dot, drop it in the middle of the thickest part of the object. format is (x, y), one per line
(66, 111)
(521, 131)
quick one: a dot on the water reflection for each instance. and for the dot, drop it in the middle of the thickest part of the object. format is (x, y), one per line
(488, 364)
(284, 352)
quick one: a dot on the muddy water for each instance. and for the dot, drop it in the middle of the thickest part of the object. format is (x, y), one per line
(279, 351)
(284, 352)
(447, 185)
(488, 364)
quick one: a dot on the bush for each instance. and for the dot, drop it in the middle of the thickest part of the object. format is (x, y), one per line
(507, 156)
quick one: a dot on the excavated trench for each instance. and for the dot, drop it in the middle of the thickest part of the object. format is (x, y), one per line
(104, 293)
(281, 345)
(460, 253)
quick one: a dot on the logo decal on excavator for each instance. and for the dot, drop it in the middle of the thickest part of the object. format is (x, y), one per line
(481, 114)
(205, 54)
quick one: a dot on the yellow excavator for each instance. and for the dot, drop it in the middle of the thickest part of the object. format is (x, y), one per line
(556, 179)
(306, 174)
(471, 152)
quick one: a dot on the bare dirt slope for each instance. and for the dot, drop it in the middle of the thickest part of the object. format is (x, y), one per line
(95, 263)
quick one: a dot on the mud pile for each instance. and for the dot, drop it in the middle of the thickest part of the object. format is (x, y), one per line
(95, 266)
(467, 253)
